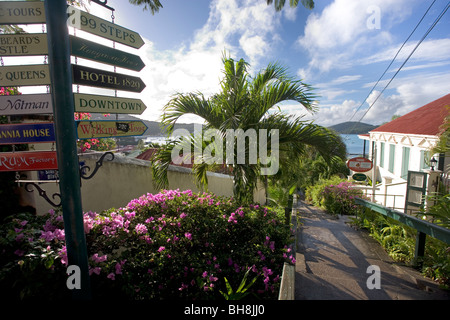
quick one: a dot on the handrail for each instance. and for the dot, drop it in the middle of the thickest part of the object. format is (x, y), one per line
(423, 226)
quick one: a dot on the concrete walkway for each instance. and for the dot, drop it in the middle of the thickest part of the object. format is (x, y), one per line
(332, 261)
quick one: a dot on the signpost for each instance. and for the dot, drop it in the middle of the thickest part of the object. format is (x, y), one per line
(108, 129)
(26, 104)
(93, 51)
(359, 164)
(27, 133)
(359, 177)
(104, 104)
(22, 12)
(28, 161)
(26, 44)
(104, 79)
(25, 75)
(103, 28)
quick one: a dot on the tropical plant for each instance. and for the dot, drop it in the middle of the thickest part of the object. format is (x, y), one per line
(279, 4)
(246, 104)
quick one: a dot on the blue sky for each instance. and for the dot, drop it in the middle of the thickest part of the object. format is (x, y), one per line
(341, 48)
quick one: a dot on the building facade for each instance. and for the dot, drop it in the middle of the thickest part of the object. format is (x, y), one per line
(405, 144)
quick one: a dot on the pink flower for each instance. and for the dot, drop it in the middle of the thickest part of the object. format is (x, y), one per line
(161, 249)
(188, 235)
(141, 229)
(111, 276)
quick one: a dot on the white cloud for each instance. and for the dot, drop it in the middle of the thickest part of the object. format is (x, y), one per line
(334, 37)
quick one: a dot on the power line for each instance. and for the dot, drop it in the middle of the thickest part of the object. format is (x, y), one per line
(392, 61)
(409, 56)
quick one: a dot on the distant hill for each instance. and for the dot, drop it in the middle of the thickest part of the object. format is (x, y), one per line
(353, 127)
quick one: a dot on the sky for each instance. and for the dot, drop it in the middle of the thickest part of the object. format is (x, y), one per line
(341, 48)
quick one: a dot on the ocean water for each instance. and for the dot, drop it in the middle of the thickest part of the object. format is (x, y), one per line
(355, 146)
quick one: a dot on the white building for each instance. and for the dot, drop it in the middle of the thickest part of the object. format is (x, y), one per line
(403, 145)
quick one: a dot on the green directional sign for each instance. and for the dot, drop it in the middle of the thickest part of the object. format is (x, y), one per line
(93, 51)
(104, 79)
(22, 12)
(109, 129)
(104, 104)
(25, 75)
(27, 44)
(103, 28)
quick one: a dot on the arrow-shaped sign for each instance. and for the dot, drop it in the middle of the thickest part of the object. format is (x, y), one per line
(104, 79)
(93, 51)
(26, 104)
(103, 28)
(25, 75)
(28, 161)
(105, 104)
(27, 133)
(109, 129)
(27, 44)
(22, 12)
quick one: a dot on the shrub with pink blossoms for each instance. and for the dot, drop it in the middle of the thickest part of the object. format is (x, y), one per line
(170, 245)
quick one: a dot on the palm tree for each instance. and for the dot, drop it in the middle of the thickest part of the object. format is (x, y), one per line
(249, 104)
(279, 4)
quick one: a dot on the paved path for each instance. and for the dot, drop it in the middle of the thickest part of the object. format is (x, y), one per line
(332, 261)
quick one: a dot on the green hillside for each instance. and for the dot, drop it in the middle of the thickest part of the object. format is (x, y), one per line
(352, 127)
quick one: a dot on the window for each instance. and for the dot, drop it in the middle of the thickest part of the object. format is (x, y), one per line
(424, 156)
(405, 162)
(391, 157)
(382, 154)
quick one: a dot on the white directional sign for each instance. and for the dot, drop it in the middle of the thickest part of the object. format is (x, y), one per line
(22, 12)
(25, 75)
(26, 104)
(26, 44)
(105, 104)
(103, 28)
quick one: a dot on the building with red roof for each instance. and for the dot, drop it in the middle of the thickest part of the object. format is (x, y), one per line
(405, 144)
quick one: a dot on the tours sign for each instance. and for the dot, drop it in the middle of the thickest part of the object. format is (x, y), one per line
(25, 75)
(104, 104)
(26, 104)
(93, 51)
(109, 129)
(22, 12)
(104, 79)
(27, 133)
(28, 161)
(26, 44)
(103, 28)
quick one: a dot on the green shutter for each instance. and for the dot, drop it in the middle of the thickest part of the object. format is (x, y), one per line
(405, 162)
(391, 157)
(382, 155)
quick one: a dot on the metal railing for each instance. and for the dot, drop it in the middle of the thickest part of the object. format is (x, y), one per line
(423, 227)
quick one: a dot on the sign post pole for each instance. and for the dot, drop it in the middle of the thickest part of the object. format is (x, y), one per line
(69, 172)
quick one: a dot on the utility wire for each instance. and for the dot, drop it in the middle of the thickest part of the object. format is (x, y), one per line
(409, 56)
(392, 61)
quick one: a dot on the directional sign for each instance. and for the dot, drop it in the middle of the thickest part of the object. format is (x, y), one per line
(28, 161)
(109, 129)
(25, 75)
(26, 44)
(104, 104)
(26, 104)
(27, 133)
(93, 51)
(103, 28)
(359, 164)
(104, 79)
(22, 12)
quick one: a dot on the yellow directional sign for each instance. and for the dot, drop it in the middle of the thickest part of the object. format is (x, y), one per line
(22, 12)
(103, 28)
(105, 104)
(26, 44)
(25, 75)
(109, 129)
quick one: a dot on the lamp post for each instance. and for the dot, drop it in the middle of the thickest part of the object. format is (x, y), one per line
(433, 163)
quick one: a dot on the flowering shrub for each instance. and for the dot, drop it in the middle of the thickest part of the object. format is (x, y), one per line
(340, 198)
(335, 195)
(173, 245)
